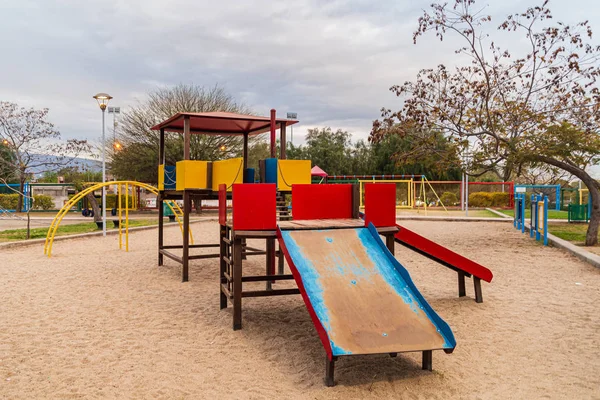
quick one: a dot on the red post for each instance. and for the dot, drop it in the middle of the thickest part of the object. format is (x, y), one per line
(273, 113)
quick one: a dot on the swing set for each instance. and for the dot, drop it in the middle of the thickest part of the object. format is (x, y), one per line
(407, 195)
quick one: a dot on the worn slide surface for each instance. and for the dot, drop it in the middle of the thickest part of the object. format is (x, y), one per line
(361, 300)
(441, 254)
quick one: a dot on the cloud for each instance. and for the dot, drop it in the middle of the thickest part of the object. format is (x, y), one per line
(332, 62)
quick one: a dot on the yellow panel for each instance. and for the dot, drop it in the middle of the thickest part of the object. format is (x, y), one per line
(161, 177)
(228, 172)
(292, 172)
(191, 174)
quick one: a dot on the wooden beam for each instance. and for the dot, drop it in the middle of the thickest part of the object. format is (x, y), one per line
(186, 137)
(282, 141)
(186, 234)
(171, 256)
(161, 147)
(478, 292)
(272, 292)
(427, 360)
(461, 285)
(245, 152)
(204, 256)
(329, 369)
(224, 294)
(191, 246)
(237, 283)
(160, 229)
(261, 278)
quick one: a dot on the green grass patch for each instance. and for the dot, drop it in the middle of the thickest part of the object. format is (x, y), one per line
(571, 232)
(73, 229)
(552, 214)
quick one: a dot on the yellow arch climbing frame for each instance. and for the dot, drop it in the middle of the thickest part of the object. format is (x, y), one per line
(73, 201)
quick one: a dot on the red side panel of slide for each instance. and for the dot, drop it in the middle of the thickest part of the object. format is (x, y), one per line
(441, 254)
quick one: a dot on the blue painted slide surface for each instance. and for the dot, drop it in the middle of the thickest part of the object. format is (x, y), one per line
(360, 295)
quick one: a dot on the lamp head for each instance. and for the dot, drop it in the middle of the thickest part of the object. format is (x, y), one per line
(103, 99)
(222, 148)
(5, 142)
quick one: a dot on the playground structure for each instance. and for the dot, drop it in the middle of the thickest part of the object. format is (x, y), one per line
(553, 192)
(123, 187)
(341, 267)
(538, 223)
(360, 298)
(412, 189)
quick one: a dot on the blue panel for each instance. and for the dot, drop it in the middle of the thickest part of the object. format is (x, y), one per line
(170, 177)
(270, 170)
(249, 175)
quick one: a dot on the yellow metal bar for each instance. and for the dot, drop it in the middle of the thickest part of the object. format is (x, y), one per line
(52, 230)
(126, 217)
(360, 191)
(119, 186)
(436, 195)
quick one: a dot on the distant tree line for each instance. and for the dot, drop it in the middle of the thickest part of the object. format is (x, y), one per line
(336, 153)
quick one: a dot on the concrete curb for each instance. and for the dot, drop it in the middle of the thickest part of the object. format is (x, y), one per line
(499, 213)
(33, 242)
(452, 219)
(569, 247)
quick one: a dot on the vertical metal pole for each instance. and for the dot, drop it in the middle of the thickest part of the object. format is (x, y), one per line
(273, 114)
(462, 192)
(126, 217)
(545, 220)
(523, 213)
(466, 195)
(103, 178)
(534, 233)
(120, 216)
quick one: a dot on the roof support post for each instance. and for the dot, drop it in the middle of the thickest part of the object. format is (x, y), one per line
(186, 137)
(282, 141)
(161, 147)
(245, 152)
(273, 152)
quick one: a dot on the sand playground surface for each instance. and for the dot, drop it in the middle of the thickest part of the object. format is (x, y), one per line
(97, 322)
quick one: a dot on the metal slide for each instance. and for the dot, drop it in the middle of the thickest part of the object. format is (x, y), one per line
(441, 254)
(360, 298)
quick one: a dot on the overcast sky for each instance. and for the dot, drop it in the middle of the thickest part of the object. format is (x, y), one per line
(332, 62)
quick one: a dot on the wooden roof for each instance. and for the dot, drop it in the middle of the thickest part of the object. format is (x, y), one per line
(221, 123)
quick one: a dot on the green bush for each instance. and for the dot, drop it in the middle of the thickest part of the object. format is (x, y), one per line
(489, 199)
(112, 201)
(9, 201)
(42, 202)
(449, 199)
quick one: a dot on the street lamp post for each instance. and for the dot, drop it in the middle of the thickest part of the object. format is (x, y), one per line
(103, 99)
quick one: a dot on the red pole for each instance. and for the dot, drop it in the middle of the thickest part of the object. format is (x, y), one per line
(273, 154)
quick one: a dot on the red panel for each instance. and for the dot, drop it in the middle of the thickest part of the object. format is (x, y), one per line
(441, 254)
(328, 201)
(380, 204)
(254, 206)
(222, 204)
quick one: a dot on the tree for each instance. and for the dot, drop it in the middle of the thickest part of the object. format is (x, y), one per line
(138, 156)
(33, 143)
(328, 149)
(509, 111)
(6, 162)
(395, 153)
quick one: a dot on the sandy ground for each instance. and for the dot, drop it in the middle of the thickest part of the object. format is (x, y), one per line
(96, 322)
